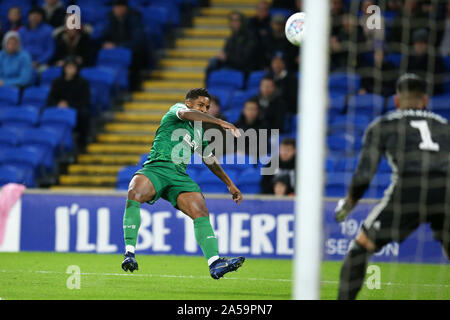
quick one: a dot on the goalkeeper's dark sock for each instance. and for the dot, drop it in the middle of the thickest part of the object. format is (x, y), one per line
(206, 239)
(353, 272)
(131, 223)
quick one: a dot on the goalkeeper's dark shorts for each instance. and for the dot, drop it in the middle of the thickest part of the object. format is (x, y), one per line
(405, 206)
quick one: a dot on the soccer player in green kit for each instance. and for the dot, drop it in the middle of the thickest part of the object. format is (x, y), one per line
(163, 176)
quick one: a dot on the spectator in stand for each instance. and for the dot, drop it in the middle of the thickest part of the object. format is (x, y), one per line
(239, 50)
(71, 42)
(14, 21)
(284, 4)
(286, 82)
(55, 13)
(378, 77)
(445, 42)
(273, 107)
(259, 26)
(282, 186)
(400, 31)
(71, 90)
(337, 10)
(276, 41)
(214, 108)
(250, 119)
(374, 36)
(425, 64)
(125, 29)
(341, 42)
(37, 38)
(15, 63)
(285, 171)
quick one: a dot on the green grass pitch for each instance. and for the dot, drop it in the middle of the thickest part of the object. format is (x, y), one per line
(37, 275)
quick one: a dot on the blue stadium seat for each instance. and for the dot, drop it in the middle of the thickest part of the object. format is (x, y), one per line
(93, 12)
(174, 18)
(154, 34)
(394, 58)
(9, 95)
(249, 181)
(227, 79)
(9, 174)
(61, 119)
(447, 84)
(24, 159)
(331, 163)
(347, 164)
(156, 13)
(285, 12)
(124, 176)
(344, 143)
(119, 59)
(50, 74)
(379, 184)
(238, 162)
(336, 184)
(232, 115)
(345, 83)
(35, 96)
(447, 63)
(101, 80)
(19, 117)
(254, 79)
(238, 99)
(441, 105)
(46, 140)
(224, 96)
(353, 124)
(210, 183)
(337, 104)
(9, 137)
(370, 105)
(384, 166)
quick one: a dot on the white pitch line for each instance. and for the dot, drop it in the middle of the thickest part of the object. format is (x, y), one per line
(148, 275)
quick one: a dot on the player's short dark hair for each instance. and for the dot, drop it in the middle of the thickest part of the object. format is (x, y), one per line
(197, 92)
(288, 142)
(411, 83)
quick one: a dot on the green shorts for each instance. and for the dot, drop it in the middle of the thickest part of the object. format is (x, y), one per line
(169, 181)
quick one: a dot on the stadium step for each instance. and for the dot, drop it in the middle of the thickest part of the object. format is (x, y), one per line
(131, 127)
(225, 11)
(81, 188)
(200, 43)
(207, 32)
(208, 21)
(88, 180)
(158, 96)
(93, 169)
(118, 148)
(157, 107)
(137, 117)
(171, 85)
(108, 159)
(125, 138)
(184, 63)
(178, 75)
(192, 54)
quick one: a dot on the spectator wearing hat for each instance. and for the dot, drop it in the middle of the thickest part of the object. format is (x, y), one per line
(124, 29)
(286, 82)
(276, 41)
(15, 63)
(71, 90)
(54, 13)
(37, 38)
(421, 62)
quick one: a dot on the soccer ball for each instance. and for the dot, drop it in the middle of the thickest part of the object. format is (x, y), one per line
(295, 28)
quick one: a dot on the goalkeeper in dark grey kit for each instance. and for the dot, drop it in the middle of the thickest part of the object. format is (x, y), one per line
(416, 143)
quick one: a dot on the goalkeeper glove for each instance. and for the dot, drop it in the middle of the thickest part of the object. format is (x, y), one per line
(342, 210)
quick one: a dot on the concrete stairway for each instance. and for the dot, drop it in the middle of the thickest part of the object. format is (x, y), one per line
(132, 131)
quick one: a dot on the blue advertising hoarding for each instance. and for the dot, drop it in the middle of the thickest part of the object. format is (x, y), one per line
(258, 228)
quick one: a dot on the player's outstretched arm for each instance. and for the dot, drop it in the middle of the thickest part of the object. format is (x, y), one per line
(213, 164)
(195, 115)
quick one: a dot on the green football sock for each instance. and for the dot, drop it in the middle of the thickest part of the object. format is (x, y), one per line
(131, 222)
(206, 238)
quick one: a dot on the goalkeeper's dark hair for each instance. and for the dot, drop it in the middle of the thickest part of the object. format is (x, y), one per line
(412, 84)
(197, 92)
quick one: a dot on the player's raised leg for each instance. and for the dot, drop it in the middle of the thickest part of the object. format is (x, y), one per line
(193, 204)
(140, 190)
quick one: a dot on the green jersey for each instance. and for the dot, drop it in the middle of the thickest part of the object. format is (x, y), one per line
(176, 139)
